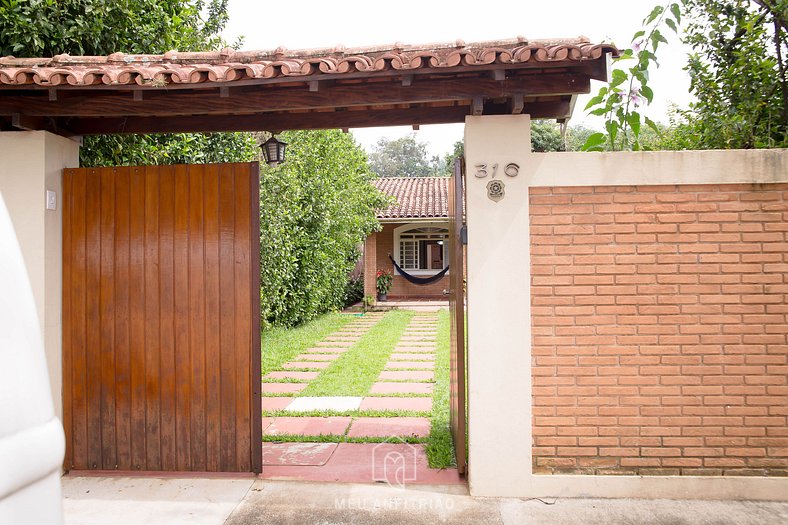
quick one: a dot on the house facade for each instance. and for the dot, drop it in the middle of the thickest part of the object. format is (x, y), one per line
(415, 235)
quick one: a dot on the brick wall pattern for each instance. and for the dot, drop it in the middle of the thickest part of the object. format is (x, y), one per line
(659, 318)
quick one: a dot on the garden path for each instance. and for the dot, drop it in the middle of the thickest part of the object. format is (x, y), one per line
(378, 436)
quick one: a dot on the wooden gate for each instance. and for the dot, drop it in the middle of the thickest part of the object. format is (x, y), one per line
(161, 340)
(457, 313)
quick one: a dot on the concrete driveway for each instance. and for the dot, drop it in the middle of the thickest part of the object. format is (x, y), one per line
(172, 501)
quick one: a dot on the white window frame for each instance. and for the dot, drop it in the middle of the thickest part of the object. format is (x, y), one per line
(413, 225)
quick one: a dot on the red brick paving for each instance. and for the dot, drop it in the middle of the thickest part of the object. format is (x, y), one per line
(291, 374)
(308, 426)
(317, 357)
(414, 350)
(283, 388)
(401, 388)
(276, 403)
(390, 427)
(406, 375)
(296, 454)
(418, 404)
(307, 364)
(335, 344)
(366, 463)
(412, 357)
(326, 350)
(399, 365)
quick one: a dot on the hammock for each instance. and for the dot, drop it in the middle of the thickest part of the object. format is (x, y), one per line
(419, 280)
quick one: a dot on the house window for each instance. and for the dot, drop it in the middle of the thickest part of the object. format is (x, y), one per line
(422, 249)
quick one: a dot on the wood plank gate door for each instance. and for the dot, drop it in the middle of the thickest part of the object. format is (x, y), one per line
(161, 341)
(458, 413)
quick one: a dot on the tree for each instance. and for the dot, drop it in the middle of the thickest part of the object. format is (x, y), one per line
(403, 157)
(315, 210)
(96, 27)
(738, 73)
(546, 136)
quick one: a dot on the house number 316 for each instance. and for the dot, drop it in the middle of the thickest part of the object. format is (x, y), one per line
(484, 169)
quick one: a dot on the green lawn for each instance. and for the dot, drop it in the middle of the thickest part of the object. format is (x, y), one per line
(280, 345)
(357, 369)
(440, 449)
(353, 374)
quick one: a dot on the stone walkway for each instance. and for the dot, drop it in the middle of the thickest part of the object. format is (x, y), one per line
(405, 384)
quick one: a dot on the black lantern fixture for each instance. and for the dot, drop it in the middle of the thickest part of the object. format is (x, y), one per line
(274, 151)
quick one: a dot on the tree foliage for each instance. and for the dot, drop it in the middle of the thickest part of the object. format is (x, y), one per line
(315, 210)
(546, 136)
(738, 73)
(404, 157)
(33, 28)
(182, 148)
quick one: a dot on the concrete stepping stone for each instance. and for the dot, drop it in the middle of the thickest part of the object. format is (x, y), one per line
(326, 350)
(283, 388)
(297, 454)
(267, 422)
(307, 364)
(276, 403)
(338, 403)
(291, 374)
(400, 365)
(417, 338)
(316, 357)
(406, 375)
(383, 387)
(335, 344)
(414, 350)
(389, 427)
(412, 357)
(308, 426)
(417, 404)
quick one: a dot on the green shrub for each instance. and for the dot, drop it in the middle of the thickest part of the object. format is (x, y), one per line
(315, 209)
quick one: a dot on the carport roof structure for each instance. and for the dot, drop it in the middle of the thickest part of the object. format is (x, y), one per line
(232, 90)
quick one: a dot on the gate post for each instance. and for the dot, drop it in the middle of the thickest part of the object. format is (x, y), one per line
(499, 299)
(33, 163)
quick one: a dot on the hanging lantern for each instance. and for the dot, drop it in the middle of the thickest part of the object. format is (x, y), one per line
(274, 151)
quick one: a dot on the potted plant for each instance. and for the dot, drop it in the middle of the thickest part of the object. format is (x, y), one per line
(383, 281)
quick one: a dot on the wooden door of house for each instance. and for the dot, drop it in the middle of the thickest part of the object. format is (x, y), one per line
(161, 341)
(457, 313)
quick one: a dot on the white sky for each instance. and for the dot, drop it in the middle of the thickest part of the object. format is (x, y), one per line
(300, 24)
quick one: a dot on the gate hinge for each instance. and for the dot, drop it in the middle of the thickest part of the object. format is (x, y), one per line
(464, 234)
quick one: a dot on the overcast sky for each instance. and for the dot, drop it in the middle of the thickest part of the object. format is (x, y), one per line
(299, 24)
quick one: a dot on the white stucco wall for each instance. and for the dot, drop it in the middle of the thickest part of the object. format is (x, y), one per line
(499, 322)
(32, 163)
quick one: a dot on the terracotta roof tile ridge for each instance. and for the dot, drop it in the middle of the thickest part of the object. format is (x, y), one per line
(228, 55)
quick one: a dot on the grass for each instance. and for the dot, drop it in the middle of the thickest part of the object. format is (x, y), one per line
(440, 446)
(346, 413)
(354, 372)
(336, 438)
(280, 345)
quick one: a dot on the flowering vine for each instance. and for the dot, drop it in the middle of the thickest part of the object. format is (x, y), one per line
(628, 90)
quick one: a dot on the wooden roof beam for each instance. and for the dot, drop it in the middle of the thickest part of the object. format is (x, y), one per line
(306, 120)
(248, 100)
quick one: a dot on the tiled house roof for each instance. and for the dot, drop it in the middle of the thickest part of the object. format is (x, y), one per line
(230, 66)
(416, 197)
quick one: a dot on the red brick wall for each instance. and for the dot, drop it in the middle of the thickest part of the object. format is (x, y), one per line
(402, 288)
(660, 317)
